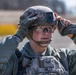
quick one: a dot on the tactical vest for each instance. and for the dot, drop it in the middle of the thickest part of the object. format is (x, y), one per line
(43, 65)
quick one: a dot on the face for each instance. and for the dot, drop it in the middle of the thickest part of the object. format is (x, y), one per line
(43, 35)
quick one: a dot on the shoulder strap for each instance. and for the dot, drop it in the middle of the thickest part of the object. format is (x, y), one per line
(23, 61)
(20, 58)
(62, 57)
(19, 55)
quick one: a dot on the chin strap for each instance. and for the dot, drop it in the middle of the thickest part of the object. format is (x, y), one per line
(74, 38)
(38, 42)
(42, 42)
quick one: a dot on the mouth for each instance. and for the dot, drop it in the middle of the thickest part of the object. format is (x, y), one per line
(45, 38)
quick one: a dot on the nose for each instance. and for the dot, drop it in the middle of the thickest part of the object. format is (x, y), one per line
(45, 30)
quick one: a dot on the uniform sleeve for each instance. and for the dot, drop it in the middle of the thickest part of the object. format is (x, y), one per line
(7, 47)
(72, 61)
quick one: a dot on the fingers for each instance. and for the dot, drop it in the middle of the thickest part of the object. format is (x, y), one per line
(57, 16)
(31, 18)
(26, 22)
(64, 21)
(32, 15)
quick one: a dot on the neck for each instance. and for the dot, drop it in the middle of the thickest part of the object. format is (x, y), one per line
(36, 48)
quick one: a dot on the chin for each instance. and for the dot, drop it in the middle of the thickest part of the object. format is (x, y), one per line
(44, 45)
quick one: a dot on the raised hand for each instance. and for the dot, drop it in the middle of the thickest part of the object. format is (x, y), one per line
(24, 24)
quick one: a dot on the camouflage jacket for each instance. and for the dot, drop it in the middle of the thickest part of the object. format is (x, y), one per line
(9, 61)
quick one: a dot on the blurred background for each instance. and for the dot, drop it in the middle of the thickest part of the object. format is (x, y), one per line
(10, 11)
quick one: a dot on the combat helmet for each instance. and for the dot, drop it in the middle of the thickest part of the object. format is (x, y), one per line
(45, 17)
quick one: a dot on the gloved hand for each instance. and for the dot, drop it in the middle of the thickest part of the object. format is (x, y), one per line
(24, 23)
(69, 30)
(63, 25)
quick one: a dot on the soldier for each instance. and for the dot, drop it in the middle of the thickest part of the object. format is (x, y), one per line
(37, 57)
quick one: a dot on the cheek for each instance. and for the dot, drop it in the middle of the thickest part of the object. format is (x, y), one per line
(36, 36)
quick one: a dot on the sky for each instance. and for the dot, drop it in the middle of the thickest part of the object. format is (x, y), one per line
(70, 3)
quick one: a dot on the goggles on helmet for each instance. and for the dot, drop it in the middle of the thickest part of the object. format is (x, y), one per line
(44, 19)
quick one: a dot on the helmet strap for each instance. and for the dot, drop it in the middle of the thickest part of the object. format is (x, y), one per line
(30, 36)
(42, 42)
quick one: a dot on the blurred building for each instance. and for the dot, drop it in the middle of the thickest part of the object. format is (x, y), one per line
(55, 5)
(58, 6)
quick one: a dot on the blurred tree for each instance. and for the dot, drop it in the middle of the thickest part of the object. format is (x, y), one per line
(55, 5)
(58, 6)
(23, 4)
(9, 4)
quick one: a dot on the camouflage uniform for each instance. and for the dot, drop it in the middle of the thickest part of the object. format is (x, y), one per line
(66, 57)
(26, 62)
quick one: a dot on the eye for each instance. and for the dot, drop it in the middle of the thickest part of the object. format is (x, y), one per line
(39, 30)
